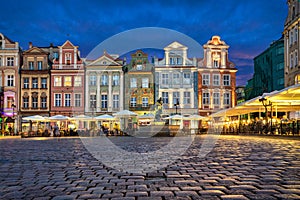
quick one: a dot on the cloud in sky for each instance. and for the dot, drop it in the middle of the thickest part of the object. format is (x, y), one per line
(247, 26)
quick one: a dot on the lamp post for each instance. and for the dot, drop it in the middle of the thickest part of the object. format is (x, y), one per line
(176, 105)
(264, 102)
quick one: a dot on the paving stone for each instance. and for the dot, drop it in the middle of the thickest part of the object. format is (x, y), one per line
(136, 194)
(234, 197)
(161, 193)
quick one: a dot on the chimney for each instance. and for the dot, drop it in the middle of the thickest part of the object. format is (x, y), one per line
(30, 45)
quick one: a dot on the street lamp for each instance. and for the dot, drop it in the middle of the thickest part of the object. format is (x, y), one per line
(176, 105)
(264, 102)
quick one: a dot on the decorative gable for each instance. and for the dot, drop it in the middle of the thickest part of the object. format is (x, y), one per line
(175, 45)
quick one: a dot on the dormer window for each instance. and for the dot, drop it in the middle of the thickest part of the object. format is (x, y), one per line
(139, 67)
(216, 60)
(68, 58)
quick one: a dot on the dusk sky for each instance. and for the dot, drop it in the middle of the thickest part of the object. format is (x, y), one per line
(248, 26)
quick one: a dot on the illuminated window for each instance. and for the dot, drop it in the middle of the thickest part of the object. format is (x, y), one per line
(145, 82)
(68, 81)
(57, 81)
(77, 81)
(297, 79)
(133, 83)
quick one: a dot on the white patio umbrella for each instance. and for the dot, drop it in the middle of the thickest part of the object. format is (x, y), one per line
(124, 114)
(34, 118)
(194, 117)
(175, 117)
(82, 117)
(59, 117)
(105, 117)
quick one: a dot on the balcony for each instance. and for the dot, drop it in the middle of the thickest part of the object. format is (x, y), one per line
(63, 67)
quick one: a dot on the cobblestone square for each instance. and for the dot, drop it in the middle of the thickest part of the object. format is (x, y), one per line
(238, 167)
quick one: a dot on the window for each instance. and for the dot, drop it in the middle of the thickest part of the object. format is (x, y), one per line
(34, 102)
(55, 55)
(116, 79)
(186, 98)
(176, 97)
(216, 98)
(68, 81)
(93, 80)
(40, 65)
(139, 67)
(77, 81)
(187, 78)
(25, 102)
(296, 58)
(205, 79)
(93, 101)
(145, 102)
(57, 81)
(133, 83)
(133, 102)
(297, 79)
(176, 79)
(31, 65)
(35, 83)
(57, 100)
(104, 101)
(226, 79)
(216, 79)
(0, 59)
(10, 80)
(26, 83)
(291, 61)
(67, 100)
(165, 79)
(68, 58)
(10, 101)
(10, 61)
(43, 102)
(205, 98)
(226, 99)
(115, 101)
(44, 83)
(77, 100)
(179, 60)
(145, 82)
(216, 63)
(165, 97)
(175, 61)
(104, 79)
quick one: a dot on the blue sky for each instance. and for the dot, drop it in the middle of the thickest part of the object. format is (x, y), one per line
(248, 26)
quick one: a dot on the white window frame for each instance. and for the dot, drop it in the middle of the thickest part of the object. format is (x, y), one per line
(216, 82)
(40, 65)
(176, 78)
(57, 100)
(10, 80)
(35, 85)
(67, 100)
(225, 81)
(68, 81)
(133, 83)
(133, 102)
(187, 78)
(186, 98)
(145, 82)
(116, 79)
(176, 97)
(77, 81)
(10, 61)
(57, 81)
(25, 102)
(43, 84)
(26, 83)
(216, 98)
(165, 97)
(77, 100)
(34, 104)
(31, 65)
(104, 101)
(116, 101)
(206, 98)
(104, 79)
(145, 102)
(205, 79)
(92, 80)
(226, 98)
(93, 101)
(43, 102)
(165, 79)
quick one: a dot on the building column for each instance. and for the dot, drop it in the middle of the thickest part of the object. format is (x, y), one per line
(109, 96)
(208, 60)
(60, 58)
(98, 93)
(87, 96)
(75, 58)
(167, 57)
(223, 58)
(121, 97)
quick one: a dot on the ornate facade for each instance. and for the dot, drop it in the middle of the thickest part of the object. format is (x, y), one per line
(176, 81)
(10, 60)
(291, 44)
(67, 82)
(104, 87)
(139, 84)
(216, 78)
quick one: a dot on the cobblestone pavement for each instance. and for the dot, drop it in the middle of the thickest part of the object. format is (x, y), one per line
(239, 167)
